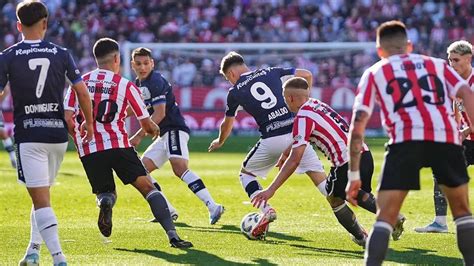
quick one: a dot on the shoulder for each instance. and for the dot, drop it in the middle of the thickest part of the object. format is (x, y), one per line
(58, 49)
(10, 50)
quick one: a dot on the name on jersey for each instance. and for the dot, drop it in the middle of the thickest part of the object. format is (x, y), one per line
(412, 66)
(250, 78)
(41, 108)
(103, 90)
(53, 50)
(279, 124)
(277, 113)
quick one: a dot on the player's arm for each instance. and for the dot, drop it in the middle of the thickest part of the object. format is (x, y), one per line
(224, 132)
(69, 117)
(86, 106)
(135, 101)
(285, 172)
(467, 96)
(157, 116)
(306, 74)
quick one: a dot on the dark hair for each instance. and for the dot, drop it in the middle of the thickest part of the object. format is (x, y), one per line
(104, 47)
(232, 58)
(30, 12)
(296, 83)
(141, 51)
(390, 30)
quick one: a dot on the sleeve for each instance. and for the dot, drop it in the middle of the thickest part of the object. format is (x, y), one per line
(3, 72)
(285, 73)
(302, 128)
(453, 80)
(72, 72)
(365, 96)
(232, 106)
(70, 100)
(158, 93)
(135, 100)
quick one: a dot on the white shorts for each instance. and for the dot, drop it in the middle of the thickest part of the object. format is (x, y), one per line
(265, 154)
(38, 163)
(173, 144)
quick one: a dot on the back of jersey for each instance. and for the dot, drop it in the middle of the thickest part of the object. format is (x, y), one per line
(260, 94)
(37, 72)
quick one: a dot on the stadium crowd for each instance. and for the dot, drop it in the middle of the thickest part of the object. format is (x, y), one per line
(78, 24)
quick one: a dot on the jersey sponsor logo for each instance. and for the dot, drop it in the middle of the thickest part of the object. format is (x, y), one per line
(41, 108)
(105, 90)
(53, 50)
(46, 123)
(106, 83)
(279, 124)
(250, 78)
(277, 113)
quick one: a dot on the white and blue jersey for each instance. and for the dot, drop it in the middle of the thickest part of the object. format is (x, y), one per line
(37, 72)
(260, 94)
(157, 90)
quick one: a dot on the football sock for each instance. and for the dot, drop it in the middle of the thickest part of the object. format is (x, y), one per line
(252, 187)
(367, 201)
(160, 210)
(377, 244)
(348, 220)
(158, 187)
(441, 205)
(465, 236)
(35, 237)
(48, 228)
(196, 185)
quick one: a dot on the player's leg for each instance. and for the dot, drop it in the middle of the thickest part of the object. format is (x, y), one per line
(130, 170)
(439, 225)
(8, 144)
(38, 166)
(313, 168)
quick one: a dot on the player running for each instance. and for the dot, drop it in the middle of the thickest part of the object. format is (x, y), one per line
(460, 58)
(4, 135)
(172, 145)
(260, 94)
(414, 92)
(111, 95)
(37, 72)
(317, 123)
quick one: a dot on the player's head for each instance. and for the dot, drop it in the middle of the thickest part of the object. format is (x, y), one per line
(32, 19)
(232, 66)
(296, 93)
(142, 62)
(107, 54)
(392, 39)
(460, 57)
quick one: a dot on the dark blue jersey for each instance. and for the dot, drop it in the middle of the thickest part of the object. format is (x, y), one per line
(37, 72)
(157, 90)
(260, 94)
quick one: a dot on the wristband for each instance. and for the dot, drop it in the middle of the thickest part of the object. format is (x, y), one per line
(353, 175)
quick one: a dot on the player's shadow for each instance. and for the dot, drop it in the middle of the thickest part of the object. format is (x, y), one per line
(420, 256)
(332, 252)
(232, 229)
(193, 257)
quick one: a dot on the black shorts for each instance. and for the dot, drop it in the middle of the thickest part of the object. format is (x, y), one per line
(468, 146)
(99, 165)
(337, 180)
(403, 161)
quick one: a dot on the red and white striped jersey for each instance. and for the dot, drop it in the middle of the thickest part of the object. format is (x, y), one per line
(415, 94)
(111, 94)
(465, 122)
(319, 124)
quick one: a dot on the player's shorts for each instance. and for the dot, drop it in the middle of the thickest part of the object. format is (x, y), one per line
(337, 180)
(38, 163)
(403, 161)
(173, 144)
(99, 165)
(265, 154)
(468, 146)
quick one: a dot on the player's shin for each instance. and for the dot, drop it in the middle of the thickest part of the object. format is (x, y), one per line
(251, 186)
(377, 244)
(367, 201)
(48, 228)
(465, 237)
(196, 185)
(348, 220)
(160, 211)
(441, 205)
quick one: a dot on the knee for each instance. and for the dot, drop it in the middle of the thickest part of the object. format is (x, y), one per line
(149, 164)
(179, 167)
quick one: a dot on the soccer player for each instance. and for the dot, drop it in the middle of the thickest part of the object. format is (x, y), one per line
(317, 123)
(172, 145)
(460, 58)
(6, 140)
(414, 92)
(260, 94)
(111, 95)
(37, 72)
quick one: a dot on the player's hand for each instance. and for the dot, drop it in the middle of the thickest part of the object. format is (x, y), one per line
(262, 197)
(156, 133)
(281, 161)
(352, 189)
(135, 140)
(215, 144)
(87, 131)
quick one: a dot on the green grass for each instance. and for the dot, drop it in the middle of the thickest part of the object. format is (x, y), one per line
(306, 231)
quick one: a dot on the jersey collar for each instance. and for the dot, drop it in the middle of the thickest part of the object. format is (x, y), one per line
(32, 41)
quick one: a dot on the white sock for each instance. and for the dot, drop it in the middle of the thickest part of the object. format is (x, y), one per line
(441, 220)
(48, 228)
(197, 187)
(322, 188)
(263, 207)
(35, 236)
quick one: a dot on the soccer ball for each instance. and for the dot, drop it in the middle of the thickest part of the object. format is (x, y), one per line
(248, 223)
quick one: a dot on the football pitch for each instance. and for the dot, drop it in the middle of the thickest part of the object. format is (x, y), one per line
(306, 231)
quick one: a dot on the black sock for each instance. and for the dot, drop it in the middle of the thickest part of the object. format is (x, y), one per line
(109, 197)
(160, 210)
(347, 219)
(367, 201)
(465, 237)
(441, 205)
(377, 244)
